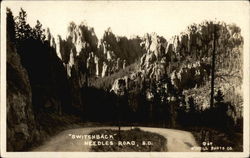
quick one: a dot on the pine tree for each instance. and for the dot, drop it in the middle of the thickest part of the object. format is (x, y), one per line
(10, 26)
(192, 106)
(219, 97)
(23, 29)
(38, 32)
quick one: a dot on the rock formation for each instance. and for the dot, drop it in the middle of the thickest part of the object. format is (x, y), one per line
(50, 38)
(118, 64)
(21, 126)
(124, 64)
(58, 47)
(119, 87)
(91, 65)
(82, 50)
(104, 69)
(48, 35)
(97, 64)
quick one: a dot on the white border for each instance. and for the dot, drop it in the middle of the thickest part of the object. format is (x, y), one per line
(3, 80)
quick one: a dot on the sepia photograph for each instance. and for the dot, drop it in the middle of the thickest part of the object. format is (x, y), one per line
(125, 78)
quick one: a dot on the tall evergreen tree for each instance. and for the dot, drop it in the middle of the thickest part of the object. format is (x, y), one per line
(23, 29)
(38, 31)
(10, 26)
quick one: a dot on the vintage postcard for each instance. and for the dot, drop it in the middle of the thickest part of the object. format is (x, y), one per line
(125, 78)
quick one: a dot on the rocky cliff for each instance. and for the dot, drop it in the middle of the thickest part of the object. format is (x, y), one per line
(38, 92)
(22, 129)
(98, 58)
(186, 60)
(86, 59)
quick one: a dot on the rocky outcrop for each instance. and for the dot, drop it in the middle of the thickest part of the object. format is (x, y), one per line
(154, 62)
(120, 52)
(91, 65)
(82, 37)
(97, 65)
(190, 75)
(119, 64)
(104, 69)
(22, 130)
(59, 50)
(119, 86)
(186, 60)
(91, 57)
(50, 38)
(124, 64)
(174, 59)
(78, 54)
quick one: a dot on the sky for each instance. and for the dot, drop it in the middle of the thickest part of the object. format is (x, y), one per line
(166, 18)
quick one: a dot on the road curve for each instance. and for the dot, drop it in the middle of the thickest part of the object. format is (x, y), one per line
(177, 140)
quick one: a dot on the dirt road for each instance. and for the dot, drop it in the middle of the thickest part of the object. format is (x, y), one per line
(177, 140)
